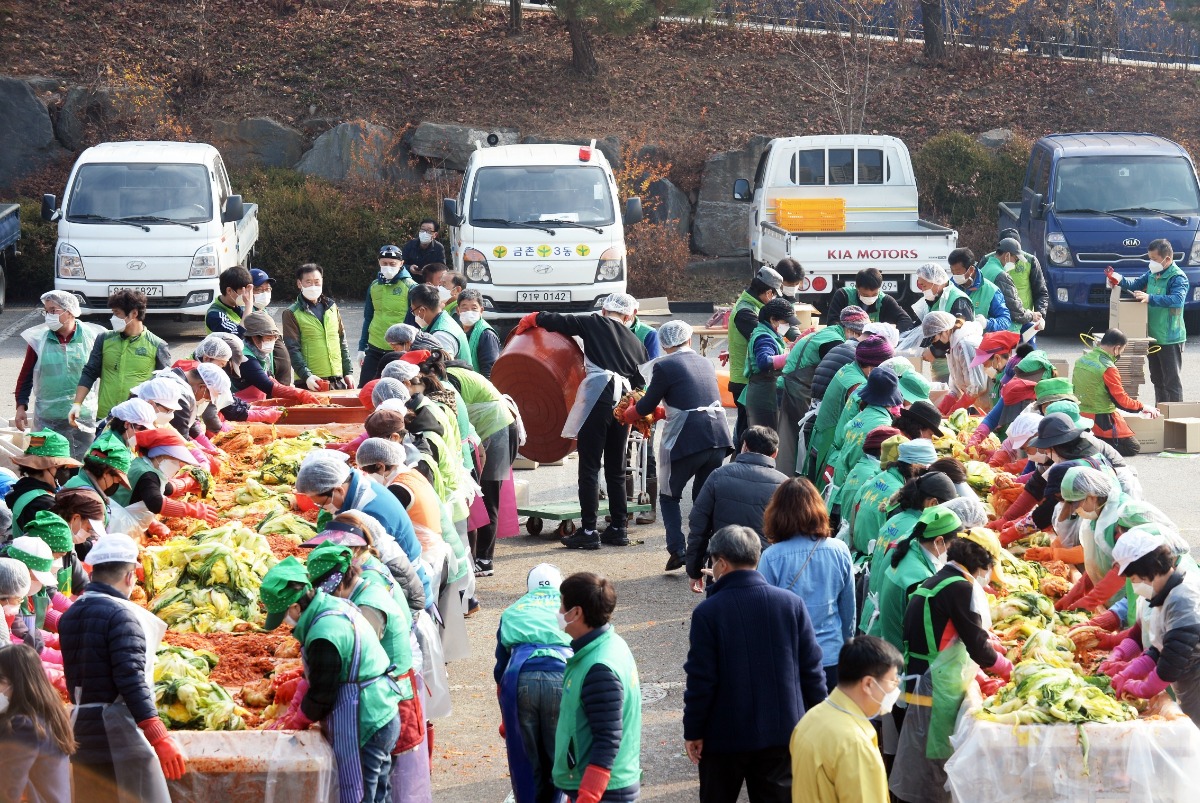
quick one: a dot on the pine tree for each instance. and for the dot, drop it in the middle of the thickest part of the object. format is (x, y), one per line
(620, 17)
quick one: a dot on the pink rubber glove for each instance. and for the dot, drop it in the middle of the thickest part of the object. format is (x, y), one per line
(1137, 669)
(980, 434)
(1126, 651)
(263, 415)
(778, 361)
(1147, 688)
(1002, 668)
(1110, 641)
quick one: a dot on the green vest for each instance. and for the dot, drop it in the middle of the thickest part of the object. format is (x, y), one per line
(389, 304)
(140, 465)
(852, 301)
(1020, 274)
(847, 377)
(915, 568)
(1088, 381)
(760, 331)
(320, 340)
(531, 620)
(948, 297)
(20, 505)
(866, 468)
(573, 737)
(444, 323)
(127, 361)
(981, 297)
(234, 314)
(377, 698)
(641, 330)
(899, 526)
(807, 353)
(473, 336)
(856, 435)
(486, 409)
(395, 639)
(1165, 324)
(736, 343)
(56, 376)
(871, 500)
(377, 574)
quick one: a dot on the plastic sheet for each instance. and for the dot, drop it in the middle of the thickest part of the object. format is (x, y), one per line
(266, 766)
(1144, 761)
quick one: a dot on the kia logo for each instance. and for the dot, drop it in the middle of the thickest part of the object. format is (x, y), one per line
(136, 265)
(1131, 242)
(542, 269)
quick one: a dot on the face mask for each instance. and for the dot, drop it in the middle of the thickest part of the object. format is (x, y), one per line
(312, 292)
(562, 620)
(1090, 515)
(162, 418)
(52, 322)
(169, 467)
(290, 620)
(889, 699)
(425, 237)
(268, 345)
(12, 610)
(261, 300)
(3, 702)
(1039, 457)
(961, 279)
(867, 301)
(939, 349)
(443, 294)
(1156, 266)
(201, 406)
(1143, 590)
(118, 324)
(388, 272)
(469, 318)
(983, 578)
(790, 291)
(782, 329)
(930, 296)
(938, 560)
(420, 321)
(991, 372)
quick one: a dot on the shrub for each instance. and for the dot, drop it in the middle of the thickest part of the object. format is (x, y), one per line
(961, 182)
(657, 259)
(33, 272)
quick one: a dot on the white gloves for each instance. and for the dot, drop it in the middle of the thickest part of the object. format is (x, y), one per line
(1150, 412)
(349, 380)
(73, 415)
(313, 382)
(362, 355)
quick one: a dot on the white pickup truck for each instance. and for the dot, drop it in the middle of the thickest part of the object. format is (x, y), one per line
(838, 204)
(159, 217)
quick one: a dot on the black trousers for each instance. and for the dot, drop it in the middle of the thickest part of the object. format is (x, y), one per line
(370, 366)
(766, 773)
(602, 439)
(739, 427)
(1165, 366)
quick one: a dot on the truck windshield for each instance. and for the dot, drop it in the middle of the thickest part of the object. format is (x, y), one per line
(149, 193)
(558, 195)
(1124, 183)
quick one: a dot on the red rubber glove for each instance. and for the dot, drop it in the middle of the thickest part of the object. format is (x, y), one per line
(1109, 585)
(630, 415)
(1107, 620)
(183, 484)
(169, 757)
(723, 357)
(526, 323)
(1017, 510)
(1145, 689)
(660, 413)
(979, 435)
(158, 529)
(1081, 587)
(298, 395)
(593, 784)
(292, 720)
(264, 415)
(1002, 668)
(1110, 641)
(503, 732)
(192, 510)
(988, 685)
(1112, 276)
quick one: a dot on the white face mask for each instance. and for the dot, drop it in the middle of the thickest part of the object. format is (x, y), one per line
(311, 292)
(1143, 590)
(389, 272)
(961, 279)
(425, 237)
(12, 610)
(867, 301)
(991, 372)
(118, 324)
(1090, 515)
(268, 345)
(782, 329)
(53, 323)
(930, 295)
(562, 620)
(420, 321)
(162, 418)
(1039, 457)
(169, 466)
(3, 702)
(469, 318)
(261, 300)
(443, 294)
(201, 406)
(1156, 266)
(790, 290)
(889, 699)
(290, 620)
(938, 560)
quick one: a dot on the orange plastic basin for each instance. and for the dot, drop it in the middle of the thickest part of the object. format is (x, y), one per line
(541, 370)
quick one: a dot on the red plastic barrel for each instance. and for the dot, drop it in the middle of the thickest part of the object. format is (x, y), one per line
(541, 370)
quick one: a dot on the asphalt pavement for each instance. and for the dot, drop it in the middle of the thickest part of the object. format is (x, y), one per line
(653, 607)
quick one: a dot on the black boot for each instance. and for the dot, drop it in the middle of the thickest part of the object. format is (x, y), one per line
(581, 539)
(614, 537)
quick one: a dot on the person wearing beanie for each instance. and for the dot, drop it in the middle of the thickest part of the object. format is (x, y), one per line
(695, 437)
(880, 395)
(986, 298)
(866, 469)
(867, 293)
(765, 361)
(1102, 397)
(766, 285)
(531, 655)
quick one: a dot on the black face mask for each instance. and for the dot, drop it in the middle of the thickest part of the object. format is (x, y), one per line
(939, 349)
(62, 475)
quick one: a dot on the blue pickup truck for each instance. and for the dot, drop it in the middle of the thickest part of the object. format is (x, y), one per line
(10, 232)
(1092, 200)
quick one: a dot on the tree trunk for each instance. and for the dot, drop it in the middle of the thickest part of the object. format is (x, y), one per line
(583, 58)
(931, 22)
(514, 17)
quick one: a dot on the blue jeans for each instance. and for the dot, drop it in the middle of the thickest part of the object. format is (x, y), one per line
(697, 465)
(377, 762)
(538, 696)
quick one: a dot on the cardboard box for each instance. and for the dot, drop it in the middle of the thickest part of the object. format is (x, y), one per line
(1062, 368)
(1180, 409)
(1181, 435)
(920, 366)
(1149, 431)
(1127, 315)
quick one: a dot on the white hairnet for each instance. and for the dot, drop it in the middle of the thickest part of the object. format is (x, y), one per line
(933, 272)
(934, 323)
(621, 303)
(14, 578)
(213, 347)
(674, 333)
(321, 471)
(161, 391)
(1081, 481)
(887, 331)
(134, 411)
(236, 356)
(374, 451)
(68, 301)
(389, 388)
(395, 405)
(399, 334)
(401, 370)
(969, 509)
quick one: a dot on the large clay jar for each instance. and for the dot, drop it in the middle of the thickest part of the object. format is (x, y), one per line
(541, 370)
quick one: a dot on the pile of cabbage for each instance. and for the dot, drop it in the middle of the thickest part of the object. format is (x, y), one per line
(1045, 693)
(283, 456)
(186, 698)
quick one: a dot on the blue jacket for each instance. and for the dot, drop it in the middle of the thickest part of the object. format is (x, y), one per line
(685, 380)
(753, 668)
(388, 511)
(736, 493)
(825, 583)
(31, 766)
(998, 316)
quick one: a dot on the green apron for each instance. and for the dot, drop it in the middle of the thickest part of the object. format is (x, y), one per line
(950, 671)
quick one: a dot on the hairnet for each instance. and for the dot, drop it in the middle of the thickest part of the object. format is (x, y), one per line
(160, 391)
(934, 323)
(674, 333)
(373, 451)
(321, 471)
(969, 510)
(389, 388)
(134, 411)
(887, 331)
(213, 347)
(401, 370)
(1081, 481)
(1023, 427)
(68, 301)
(14, 578)
(236, 354)
(394, 405)
(933, 272)
(399, 334)
(621, 303)
(428, 342)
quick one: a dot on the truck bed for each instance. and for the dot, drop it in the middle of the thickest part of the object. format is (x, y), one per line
(10, 225)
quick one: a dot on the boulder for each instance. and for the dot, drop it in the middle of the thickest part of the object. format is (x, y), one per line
(357, 151)
(43, 84)
(996, 138)
(25, 131)
(664, 202)
(722, 169)
(258, 142)
(448, 145)
(719, 228)
(84, 109)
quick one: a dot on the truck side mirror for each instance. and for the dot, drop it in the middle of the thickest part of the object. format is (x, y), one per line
(1037, 206)
(633, 211)
(741, 190)
(450, 211)
(234, 209)
(49, 208)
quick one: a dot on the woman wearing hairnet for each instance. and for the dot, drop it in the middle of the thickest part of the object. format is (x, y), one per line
(55, 354)
(955, 340)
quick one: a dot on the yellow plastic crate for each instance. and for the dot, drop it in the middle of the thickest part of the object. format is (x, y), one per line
(811, 214)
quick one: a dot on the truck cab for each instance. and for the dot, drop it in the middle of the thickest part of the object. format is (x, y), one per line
(158, 217)
(1092, 200)
(540, 228)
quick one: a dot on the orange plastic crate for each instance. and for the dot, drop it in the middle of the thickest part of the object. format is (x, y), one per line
(811, 214)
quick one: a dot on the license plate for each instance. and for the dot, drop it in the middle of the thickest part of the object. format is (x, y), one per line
(889, 285)
(543, 296)
(147, 289)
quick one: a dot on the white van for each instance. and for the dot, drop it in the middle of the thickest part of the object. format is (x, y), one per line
(159, 217)
(540, 228)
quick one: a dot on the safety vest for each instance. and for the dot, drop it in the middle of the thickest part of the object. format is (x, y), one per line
(141, 465)
(389, 304)
(981, 297)
(378, 697)
(915, 568)
(946, 300)
(395, 638)
(531, 620)
(127, 361)
(573, 737)
(444, 323)
(235, 315)
(852, 301)
(320, 340)
(760, 331)
(1165, 324)
(736, 342)
(1020, 273)
(1088, 380)
(20, 505)
(56, 375)
(473, 337)
(486, 409)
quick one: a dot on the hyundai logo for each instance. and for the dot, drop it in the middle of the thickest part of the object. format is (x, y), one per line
(1131, 242)
(137, 264)
(542, 269)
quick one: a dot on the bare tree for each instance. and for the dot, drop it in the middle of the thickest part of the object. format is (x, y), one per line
(837, 64)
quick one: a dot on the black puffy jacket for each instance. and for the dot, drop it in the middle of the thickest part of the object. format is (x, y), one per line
(104, 657)
(830, 364)
(736, 493)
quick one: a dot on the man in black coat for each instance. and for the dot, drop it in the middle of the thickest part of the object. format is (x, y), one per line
(753, 668)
